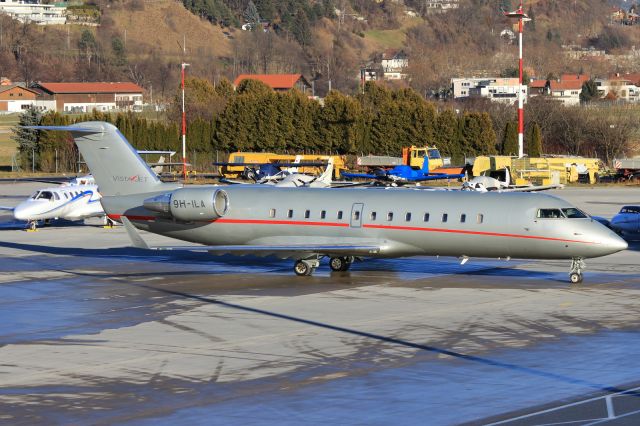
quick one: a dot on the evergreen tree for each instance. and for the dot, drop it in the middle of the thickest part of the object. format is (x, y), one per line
(119, 52)
(251, 15)
(27, 139)
(534, 140)
(589, 92)
(446, 134)
(510, 139)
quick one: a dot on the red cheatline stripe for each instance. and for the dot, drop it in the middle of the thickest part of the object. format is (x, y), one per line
(392, 227)
(280, 222)
(487, 234)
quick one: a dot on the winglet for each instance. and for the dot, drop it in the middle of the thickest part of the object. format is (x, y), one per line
(134, 235)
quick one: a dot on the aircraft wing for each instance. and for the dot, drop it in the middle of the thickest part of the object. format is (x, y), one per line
(363, 176)
(281, 250)
(530, 188)
(434, 177)
(7, 208)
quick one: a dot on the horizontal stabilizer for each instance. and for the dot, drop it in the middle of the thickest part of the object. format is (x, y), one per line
(66, 129)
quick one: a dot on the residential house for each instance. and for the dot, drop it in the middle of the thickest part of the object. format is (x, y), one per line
(17, 98)
(565, 91)
(618, 87)
(435, 6)
(34, 11)
(278, 82)
(496, 89)
(394, 64)
(86, 97)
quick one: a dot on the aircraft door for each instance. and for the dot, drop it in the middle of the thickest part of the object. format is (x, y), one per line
(356, 215)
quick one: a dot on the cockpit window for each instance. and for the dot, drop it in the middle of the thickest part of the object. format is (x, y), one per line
(549, 214)
(630, 209)
(573, 213)
(44, 195)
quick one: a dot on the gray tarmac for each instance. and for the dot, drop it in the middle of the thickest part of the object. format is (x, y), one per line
(95, 332)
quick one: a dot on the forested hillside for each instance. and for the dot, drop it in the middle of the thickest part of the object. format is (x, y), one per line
(326, 40)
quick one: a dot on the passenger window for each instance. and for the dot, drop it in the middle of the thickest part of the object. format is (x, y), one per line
(463, 218)
(390, 216)
(356, 215)
(373, 216)
(290, 214)
(340, 215)
(323, 214)
(66, 196)
(445, 216)
(426, 217)
(56, 196)
(272, 213)
(407, 217)
(549, 214)
(480, 217)
(307, 214)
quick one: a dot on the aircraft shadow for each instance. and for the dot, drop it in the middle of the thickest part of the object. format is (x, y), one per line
(411, 269)
(394, 341)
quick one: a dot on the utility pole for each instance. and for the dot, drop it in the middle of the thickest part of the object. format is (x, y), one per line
(184, 126)
(521, 17)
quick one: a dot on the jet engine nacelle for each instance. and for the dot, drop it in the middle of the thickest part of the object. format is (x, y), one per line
(191, 204)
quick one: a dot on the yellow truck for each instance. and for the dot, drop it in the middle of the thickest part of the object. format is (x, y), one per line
(541, 170)
(238, 161)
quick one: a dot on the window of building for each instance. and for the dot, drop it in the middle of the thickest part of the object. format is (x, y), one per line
(290, 214)
(323, 214)
(372, 216)
(445, 216)
(390, 216)
(339, 214)
(426, 217)
(480, 217)
(463, 218)
(407, 217)
(272, 213)
(307, 214)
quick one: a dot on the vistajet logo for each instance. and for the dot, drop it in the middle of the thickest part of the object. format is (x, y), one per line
(134, 178)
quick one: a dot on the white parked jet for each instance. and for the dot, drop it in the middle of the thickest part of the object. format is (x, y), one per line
(76, 200)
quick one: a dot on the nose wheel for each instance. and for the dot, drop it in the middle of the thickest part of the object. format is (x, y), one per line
(575, 274)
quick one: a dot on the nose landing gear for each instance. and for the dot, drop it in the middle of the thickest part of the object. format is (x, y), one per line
(305, 267)
(577, 266)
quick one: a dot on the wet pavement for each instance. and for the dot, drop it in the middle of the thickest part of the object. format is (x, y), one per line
(95, 332)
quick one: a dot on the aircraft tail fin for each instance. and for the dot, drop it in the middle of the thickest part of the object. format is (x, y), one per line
(425, 165)
(327, 176)
(113, 162)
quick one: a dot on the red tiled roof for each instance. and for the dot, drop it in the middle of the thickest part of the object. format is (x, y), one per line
(103, 87)
(579, 77)
(565, 85)
(538, 84)
(634, 78)
(275, 81)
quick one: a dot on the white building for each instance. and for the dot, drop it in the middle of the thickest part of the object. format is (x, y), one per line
(441, 5)
(618, 88)
(495, 88)
(394, 64)
(33, 11)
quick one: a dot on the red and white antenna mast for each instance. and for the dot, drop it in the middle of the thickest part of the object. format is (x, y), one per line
(184, 126)
(521, 17)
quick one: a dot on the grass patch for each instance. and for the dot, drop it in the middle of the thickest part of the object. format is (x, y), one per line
(387, 38)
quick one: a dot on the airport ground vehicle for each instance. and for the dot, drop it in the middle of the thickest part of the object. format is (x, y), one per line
(411, 156)
(539, 170)
(308, 224)
(627, 169)
(238, 162)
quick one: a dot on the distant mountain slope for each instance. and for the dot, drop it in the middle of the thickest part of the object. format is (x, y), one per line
(161, 26)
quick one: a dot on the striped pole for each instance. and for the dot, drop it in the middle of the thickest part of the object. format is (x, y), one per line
(184, 126)
(522, 17)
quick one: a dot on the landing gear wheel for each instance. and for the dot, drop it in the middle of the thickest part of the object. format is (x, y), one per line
(575, 274)
(303, 268)
(33, 225)
(340, 263)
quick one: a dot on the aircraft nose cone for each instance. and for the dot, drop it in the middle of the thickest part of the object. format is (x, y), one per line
(615, 243)
(20, 213)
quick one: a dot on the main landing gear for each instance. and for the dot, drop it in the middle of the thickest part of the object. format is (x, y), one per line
(306, 267)
(577, 266)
